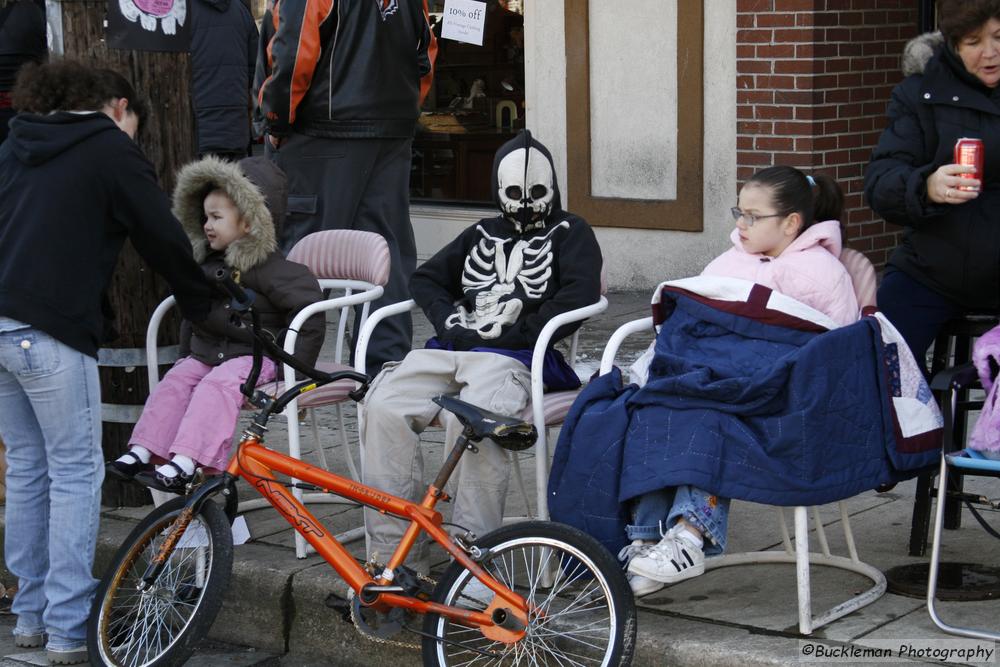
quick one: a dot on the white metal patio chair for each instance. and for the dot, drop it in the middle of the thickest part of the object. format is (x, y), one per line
(546, 410)
(355, 263)
(864, 279)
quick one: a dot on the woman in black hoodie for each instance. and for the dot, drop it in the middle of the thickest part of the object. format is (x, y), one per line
(73, 187)
(949, 259)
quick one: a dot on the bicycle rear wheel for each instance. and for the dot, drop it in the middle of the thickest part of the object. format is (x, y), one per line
(162, 624)
(584, 609)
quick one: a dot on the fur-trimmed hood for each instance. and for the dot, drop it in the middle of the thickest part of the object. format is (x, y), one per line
(919, 51)
(257, 187)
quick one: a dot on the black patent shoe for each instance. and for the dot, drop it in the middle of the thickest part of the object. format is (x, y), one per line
(157, 480)
(125, 471)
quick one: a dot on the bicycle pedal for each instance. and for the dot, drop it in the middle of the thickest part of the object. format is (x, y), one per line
(413, 584)
(340, 605)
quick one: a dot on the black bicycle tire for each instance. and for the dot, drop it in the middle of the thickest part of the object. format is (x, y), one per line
(207, 605)
(619, 593)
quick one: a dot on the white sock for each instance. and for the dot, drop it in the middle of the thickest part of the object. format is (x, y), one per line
(694, 540)
(143, 454)
(186, 464)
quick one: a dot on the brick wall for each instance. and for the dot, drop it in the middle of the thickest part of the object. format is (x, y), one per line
(813, 81)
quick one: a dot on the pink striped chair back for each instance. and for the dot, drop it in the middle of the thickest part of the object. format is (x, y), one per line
(862, 275)
(344, 254)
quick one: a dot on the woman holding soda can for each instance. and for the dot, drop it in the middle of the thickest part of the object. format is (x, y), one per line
(936, 172)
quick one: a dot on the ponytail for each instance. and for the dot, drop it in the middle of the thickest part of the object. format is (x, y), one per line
(815, 197)
(828, 199)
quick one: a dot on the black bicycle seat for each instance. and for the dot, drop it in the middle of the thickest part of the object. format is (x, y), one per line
(508, 432)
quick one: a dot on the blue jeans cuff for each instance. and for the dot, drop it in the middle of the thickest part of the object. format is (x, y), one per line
(642, 532)
(26, 630)
(60, 644)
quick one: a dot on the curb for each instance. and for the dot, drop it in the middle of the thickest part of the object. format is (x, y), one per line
(276, 603)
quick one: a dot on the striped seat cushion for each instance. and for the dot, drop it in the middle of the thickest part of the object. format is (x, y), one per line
(557, 404)
(345, 254)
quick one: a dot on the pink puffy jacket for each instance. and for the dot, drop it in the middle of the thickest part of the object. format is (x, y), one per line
(809, 270)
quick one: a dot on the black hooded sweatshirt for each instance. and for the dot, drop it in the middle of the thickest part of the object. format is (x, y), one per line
(73, 187)
(448, 285)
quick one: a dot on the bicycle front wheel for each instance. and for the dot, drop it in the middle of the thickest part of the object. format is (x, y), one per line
(581, 608)
(162, 624)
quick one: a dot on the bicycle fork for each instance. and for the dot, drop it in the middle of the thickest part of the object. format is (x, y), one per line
(223, 484)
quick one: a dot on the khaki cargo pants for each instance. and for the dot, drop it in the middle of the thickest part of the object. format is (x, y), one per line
(399, 407)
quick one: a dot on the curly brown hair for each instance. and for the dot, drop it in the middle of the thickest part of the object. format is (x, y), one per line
(69, 85)
(958, 18)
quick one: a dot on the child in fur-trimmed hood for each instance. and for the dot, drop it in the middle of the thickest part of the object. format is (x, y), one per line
(228, 211)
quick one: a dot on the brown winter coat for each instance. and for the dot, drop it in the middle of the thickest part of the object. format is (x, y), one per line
(282, 288)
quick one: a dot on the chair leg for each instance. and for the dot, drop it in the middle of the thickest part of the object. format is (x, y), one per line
(920, 522)
(542, 471)
(314, 428)
(934, 571)
(515, 462)
(802, 569)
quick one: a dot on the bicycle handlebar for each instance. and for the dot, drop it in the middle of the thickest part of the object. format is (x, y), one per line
(243, 302)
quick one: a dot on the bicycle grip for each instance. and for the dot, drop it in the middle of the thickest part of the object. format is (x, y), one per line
(243, 300)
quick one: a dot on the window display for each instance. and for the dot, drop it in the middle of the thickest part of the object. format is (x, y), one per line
(474, 106)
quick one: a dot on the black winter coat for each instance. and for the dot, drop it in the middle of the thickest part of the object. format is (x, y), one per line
(953, 249)
(22, 39)
(353, 69)
(223, 59)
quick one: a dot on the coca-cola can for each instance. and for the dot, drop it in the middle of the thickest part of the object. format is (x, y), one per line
(969, 153)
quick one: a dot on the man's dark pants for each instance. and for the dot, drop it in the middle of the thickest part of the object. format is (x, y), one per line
(358, 184)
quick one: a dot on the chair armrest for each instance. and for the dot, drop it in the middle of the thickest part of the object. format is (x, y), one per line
(152, 331)
(365, 335)
(618, 337)
(545, 337)
(956, 378)
(371, 293)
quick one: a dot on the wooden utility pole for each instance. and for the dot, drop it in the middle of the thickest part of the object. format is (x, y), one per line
(167, 139)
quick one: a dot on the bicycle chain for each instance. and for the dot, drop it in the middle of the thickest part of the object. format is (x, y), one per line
(374, 638)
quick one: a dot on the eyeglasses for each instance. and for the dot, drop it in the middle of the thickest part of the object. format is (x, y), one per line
(751, 218)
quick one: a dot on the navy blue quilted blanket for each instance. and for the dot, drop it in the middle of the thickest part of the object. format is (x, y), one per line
(748, 397)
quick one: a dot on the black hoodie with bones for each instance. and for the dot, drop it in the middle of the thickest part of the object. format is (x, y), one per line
(501, 280)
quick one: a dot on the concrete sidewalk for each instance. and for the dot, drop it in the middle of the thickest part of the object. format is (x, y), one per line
(276, 614)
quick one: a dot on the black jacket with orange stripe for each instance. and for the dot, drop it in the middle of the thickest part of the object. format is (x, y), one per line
(344, 68)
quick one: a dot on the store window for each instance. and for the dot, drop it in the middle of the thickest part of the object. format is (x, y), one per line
(475, 104)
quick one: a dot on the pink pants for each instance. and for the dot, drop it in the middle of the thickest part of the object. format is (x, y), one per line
(193, 411)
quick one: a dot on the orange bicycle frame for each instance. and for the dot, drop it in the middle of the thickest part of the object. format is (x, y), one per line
(257, 464)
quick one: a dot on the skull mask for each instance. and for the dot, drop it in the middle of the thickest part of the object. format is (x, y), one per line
(525, 188)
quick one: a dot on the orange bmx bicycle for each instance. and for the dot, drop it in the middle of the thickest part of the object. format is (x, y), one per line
(534, 593)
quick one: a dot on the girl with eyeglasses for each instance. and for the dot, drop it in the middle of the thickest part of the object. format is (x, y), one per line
(788, 238)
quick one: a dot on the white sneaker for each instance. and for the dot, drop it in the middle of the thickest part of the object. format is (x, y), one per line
(640, 585)
(671, 560)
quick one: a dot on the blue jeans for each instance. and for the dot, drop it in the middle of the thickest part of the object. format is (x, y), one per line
(658, 511)
(50, 421)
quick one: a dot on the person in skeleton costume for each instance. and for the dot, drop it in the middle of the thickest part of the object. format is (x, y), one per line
(488, 294)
